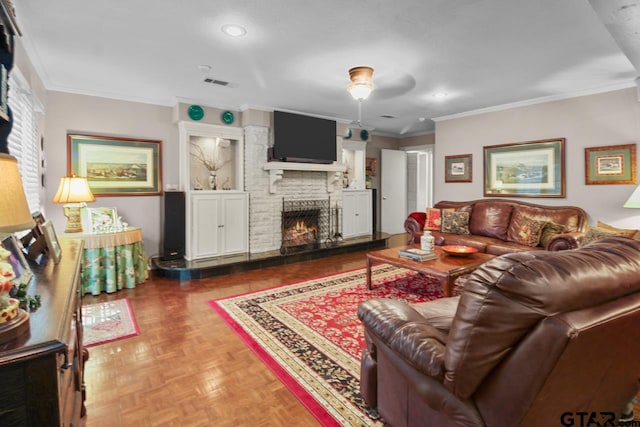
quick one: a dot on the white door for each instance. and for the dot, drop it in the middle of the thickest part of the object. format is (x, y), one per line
(393, 191)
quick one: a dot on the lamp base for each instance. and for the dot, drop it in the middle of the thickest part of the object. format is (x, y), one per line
(74, 220)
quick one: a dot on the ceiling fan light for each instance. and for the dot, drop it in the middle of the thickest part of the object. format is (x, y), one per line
(360, 90)
(361, 82)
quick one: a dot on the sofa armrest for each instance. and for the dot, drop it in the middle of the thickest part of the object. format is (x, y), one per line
(404, 331)
(564, 241)
(414, 227)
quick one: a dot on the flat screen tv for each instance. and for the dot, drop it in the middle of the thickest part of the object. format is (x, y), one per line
(304, 139)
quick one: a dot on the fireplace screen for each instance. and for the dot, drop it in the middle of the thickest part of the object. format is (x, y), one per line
(305, 224)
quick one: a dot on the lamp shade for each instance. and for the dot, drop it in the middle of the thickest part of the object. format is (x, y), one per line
(14, 210)
(361, 82)
(634, 199)
(73, 189)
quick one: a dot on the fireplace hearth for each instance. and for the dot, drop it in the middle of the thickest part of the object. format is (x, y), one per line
(305, 224)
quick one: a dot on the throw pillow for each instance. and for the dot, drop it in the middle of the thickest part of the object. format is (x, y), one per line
(549, 230)
(627, 232)
(434, 218)
(455, 222)
(530, 231)
(595, 233)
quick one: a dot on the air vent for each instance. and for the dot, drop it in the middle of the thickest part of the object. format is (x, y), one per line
(388, 116)
(216, 82)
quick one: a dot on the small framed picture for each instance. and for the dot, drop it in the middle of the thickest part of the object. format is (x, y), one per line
(53, 245)
(13, 264)
(98, 219)
(458, 168)
(613, 164)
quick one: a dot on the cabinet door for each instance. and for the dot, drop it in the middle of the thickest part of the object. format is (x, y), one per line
(348, 214)
(205, 221)
(363, 213)
(234, 223)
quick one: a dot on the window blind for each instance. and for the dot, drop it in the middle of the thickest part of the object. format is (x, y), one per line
(23, 139)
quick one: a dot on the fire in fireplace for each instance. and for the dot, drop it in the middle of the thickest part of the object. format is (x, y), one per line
(303, 224)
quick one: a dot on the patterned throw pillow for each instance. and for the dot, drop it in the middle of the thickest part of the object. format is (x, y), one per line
(455, 222)
(627, 232)
(434, 218)
(529, 233)
(596, 233)
(549, 230)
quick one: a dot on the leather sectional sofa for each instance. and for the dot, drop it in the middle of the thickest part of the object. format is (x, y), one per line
(495, 224)
(536, 338)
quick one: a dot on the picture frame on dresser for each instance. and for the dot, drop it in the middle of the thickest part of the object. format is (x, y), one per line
(16, 259)
(525, 169)
(53, 245)
(612, 164)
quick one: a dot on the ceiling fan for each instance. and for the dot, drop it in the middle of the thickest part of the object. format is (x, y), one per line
(361, 87)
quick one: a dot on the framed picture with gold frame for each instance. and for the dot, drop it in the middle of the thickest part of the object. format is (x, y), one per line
(613, 164)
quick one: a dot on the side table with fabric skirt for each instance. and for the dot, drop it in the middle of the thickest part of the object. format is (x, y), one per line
(112, 261)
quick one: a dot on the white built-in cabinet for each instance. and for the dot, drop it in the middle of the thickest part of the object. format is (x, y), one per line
(219, 224)
(217, 209)
(356, 213)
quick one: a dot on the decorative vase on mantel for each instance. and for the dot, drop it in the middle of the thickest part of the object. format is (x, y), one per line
(212, 180)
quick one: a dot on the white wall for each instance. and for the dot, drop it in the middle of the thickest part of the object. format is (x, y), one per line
(69, 113)
(610, 118)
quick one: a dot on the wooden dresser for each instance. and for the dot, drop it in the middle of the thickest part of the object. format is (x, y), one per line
(41, 372)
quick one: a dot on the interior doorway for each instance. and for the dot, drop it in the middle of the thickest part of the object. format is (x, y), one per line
(406, 185)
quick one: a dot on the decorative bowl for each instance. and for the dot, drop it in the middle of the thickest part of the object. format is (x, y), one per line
(455, 250)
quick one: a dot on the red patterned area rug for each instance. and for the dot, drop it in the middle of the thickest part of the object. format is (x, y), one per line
(309, 335)
(108, 321)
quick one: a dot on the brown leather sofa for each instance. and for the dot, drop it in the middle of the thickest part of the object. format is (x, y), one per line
(494, 224)
(534, 339)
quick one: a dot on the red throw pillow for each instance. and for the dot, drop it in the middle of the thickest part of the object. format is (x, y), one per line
(434, 218)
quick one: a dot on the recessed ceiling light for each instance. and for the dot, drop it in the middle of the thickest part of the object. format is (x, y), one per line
(440, 95)
(233, 30)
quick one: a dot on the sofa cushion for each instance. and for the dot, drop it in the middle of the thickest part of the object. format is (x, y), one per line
(529, 233)
(490, 219)
(500, 247)
(433, 221)
(455, 222)
(549, 230)
(567, 217)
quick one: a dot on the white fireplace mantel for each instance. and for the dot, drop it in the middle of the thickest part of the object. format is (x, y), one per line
(276, 170)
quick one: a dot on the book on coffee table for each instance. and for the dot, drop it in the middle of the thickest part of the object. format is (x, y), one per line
(416, 254)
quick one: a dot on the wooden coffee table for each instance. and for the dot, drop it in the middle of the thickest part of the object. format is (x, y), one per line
(445, 268)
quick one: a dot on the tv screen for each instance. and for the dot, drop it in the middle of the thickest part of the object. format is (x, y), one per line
(298, 138)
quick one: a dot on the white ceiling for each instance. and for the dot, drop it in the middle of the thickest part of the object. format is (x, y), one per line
(296, 54)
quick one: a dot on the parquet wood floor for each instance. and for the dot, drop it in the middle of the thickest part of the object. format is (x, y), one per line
(187, 367)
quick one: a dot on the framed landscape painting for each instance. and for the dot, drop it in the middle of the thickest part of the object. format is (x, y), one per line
(116, 166)
(614, 164)
(458, 168)
(525, 169)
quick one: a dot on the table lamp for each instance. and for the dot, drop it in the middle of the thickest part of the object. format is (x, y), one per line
(73, 191)
(14, 210)
(634, 199)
